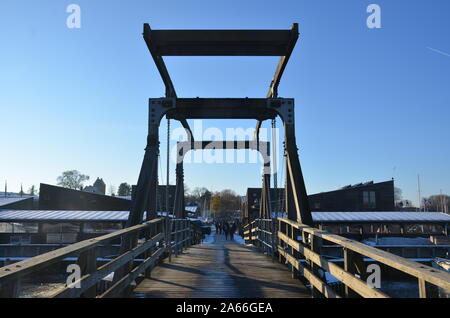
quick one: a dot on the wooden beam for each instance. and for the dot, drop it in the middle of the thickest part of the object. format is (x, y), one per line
(36, 263)
(89, 280)
(428, 273)
(348, 279)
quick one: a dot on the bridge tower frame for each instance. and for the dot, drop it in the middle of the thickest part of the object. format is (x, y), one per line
(263, 147)
(220, 43)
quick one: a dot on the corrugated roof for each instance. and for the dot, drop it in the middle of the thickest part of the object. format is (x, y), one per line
(192, 208)
(8, 215)
(64, 215)
(380, 217)
(353, 217)
(319, 217)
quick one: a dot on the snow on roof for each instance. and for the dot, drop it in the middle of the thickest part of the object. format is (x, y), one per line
(380, 217)
(318, 217)
(353, 217)
(38, 215)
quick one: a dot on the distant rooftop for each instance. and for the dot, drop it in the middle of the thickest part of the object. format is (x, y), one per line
(374, 217)
(8, 200)
(319, 217)
(64, 215)
(380, 217)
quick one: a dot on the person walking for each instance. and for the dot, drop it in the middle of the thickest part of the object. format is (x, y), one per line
(217, 227)
(232, 230)
(226, 229)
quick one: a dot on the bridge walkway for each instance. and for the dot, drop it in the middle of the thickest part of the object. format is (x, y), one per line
(221, 269)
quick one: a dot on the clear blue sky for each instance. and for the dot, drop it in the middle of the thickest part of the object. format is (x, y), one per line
(371, 104)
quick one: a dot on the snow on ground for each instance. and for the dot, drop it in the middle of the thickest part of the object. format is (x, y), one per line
(398, 241)
(238, 239)
(211, 238)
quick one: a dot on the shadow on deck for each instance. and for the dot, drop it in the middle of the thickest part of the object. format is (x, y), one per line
(223, 269)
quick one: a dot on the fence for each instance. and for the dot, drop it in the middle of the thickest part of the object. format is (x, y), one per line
(143, 246)
(300, 247)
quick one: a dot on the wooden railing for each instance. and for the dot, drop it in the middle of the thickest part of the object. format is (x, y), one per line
(143, 246)
(299, 246)
(262, 233)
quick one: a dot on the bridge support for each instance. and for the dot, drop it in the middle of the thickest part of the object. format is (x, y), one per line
(297, 204)
(184, 147)
(220, 43)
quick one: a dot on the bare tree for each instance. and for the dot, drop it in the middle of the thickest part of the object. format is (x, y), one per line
(439, 203)
(225, 203)
(112, 190)
(124, 189)
(397, 194)
(72, 179)
(32, 190)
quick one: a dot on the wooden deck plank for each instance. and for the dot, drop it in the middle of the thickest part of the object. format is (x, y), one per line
(223, 269)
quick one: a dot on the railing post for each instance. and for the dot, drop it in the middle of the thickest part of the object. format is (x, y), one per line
(185, 234)
(169, 234)
(316, 246)
(149, 233)
(294, 253)
(88, 265)
(182, 236)
(178, 240)
(175, 237)
(281, 228)
(10, 288)
(353, 264)
(129, 241)
(427, 290)
(257, 233)
(190, 235)
(274, 238)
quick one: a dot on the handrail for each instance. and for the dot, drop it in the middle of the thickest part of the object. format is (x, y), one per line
(146, 242)
(298, 241)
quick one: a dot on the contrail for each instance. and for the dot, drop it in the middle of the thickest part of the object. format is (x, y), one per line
(437, 51)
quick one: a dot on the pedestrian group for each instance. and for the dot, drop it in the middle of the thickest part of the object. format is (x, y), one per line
(226, 228)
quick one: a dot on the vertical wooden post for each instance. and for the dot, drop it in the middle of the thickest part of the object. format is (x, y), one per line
(175, 237)
(274, 238)
(150, 232)
(185, 234)
(182, 236)
(178, 237)
(10, 288)
(88, 265)
(294, 234)
(353, 264)
(281, 228)
(169, 237)
(427, 290)
(316, 246)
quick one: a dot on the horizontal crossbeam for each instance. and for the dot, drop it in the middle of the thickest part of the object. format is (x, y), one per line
(222, 108)
(221, 42)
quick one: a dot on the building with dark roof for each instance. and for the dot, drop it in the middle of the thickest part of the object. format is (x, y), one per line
(360, 197)
(100, 185)
(58, 198)
(16, 203)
